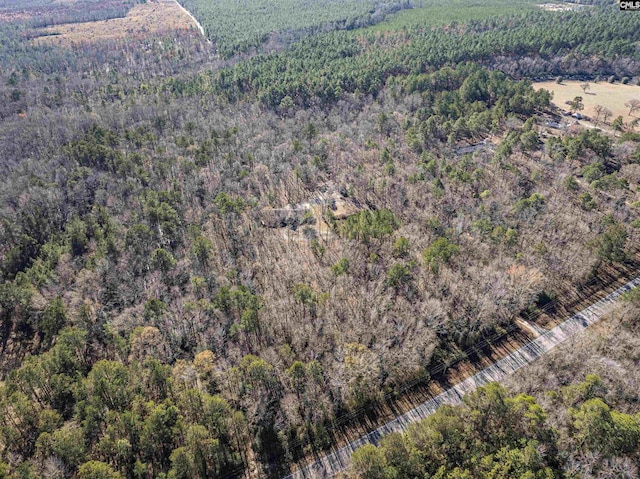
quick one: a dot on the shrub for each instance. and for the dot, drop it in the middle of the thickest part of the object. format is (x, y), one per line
(535, 201)
(593, 172)
(440, 251)
(571, 184)
(341, 267)
(398, 275)
(587, 202)
(401, 247)
(612, 243)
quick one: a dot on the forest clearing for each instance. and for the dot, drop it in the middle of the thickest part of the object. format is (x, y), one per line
(613, 96)
(155, 16)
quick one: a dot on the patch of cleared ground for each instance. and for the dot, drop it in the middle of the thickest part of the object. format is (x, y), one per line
(561, 7)
(305, 221)
(610, 95)
(151, 17)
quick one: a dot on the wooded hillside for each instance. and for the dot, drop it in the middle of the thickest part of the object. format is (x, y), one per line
(204, 263)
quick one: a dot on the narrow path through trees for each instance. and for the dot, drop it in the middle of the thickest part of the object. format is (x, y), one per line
(195, 20)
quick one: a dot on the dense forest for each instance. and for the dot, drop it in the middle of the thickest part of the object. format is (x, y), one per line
(237, 26)
(324, 67)
(497, 435)
(206, 261)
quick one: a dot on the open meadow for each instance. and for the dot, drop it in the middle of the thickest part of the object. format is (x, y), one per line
(143, 19)
(610, 95)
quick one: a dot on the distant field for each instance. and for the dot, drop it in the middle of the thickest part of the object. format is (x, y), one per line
(151, 17)
(43, 13)
(442, 12)
(612, 96)
(561, 7)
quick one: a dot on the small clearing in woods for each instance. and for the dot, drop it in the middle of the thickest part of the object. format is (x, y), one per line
(610, 95)
(561, 7)
(151, 17)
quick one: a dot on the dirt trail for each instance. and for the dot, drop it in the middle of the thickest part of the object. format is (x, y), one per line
(195, 20)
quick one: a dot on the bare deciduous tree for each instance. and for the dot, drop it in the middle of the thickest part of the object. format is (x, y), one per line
(598, 109)
(633, 105)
